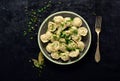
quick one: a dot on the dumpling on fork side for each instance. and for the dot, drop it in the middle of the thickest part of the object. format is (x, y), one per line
(74, 53)
(82, 31)
(77, 22)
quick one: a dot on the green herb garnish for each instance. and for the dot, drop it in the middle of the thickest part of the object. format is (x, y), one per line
(39, 63)
(25, 33)
(75, 32)
(62, 24)
(52, 27)
(62, 35)
(70, 49)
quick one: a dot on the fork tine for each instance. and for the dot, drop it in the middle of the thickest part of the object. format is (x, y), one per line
(98, 21)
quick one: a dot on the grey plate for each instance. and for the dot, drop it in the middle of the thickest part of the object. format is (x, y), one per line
(43, 29)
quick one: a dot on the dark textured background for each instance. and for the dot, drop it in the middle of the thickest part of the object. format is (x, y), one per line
(16, 49)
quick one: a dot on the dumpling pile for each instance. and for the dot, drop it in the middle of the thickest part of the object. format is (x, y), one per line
(64, 37)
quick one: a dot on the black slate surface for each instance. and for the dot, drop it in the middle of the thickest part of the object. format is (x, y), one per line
(16, 49)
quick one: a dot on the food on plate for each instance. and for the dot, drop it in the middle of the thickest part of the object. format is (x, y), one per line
(46, 37)
(82, 31)
(74, 53)
(58, 19)
(64, 37)
(55, 55)
(77, 22)
(65, 56)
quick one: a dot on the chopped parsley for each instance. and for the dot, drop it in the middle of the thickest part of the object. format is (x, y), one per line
(62, 24)
(55, 37)
(75, 32)
(52, 27)
(39, 62)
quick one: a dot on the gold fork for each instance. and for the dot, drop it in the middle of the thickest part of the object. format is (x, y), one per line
(98, 30)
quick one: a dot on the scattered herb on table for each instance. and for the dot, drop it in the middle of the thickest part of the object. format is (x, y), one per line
(39, 63)
(34, 19)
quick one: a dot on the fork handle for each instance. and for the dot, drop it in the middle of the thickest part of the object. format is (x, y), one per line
(97, 53)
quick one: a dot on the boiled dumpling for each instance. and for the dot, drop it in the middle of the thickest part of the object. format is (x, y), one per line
(48, 34)
(67, 21)
(81, 45)
(68, 32)
(74, 53)
(71, 45)
(54, 37)
(76, 37)
(63, 25)
(55, 46)
(62, 40)
(77, 22)
(62, 47)
(58, 31)
(49, 47)
(73, 30)
(52, 26)
(82, 31)
(64, 56)
(46, 37)
(58, 19)
(55, 55)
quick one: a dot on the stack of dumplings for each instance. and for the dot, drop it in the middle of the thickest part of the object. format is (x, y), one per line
(64, 37)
